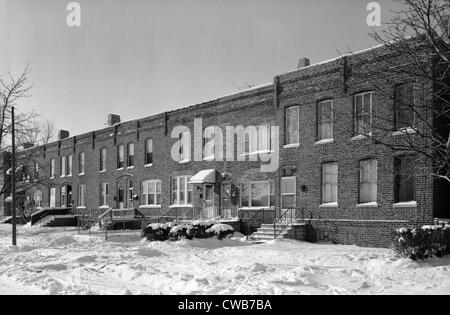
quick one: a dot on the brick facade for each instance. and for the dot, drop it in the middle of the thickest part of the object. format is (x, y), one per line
(338, 80)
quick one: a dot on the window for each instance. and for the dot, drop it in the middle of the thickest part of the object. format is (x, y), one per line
(226, 196)
(148, 151)
(181, 190)
(404, 178)
(151, 192)
(288, 189)
(130, 193)
(63, 196)
(404, 106)
(69, 165)
(36, 172)
(368, 181)
(325, 120)
(185, 147)
(363, 113)
(257, 194)
(63, 166)
(292, 125)
(81, 195)
(104, 192)
(81, 163)
(52, 198)
(103, 159)
(329, 182)
(52, 167)
(130, 157)
(120, 156)
(265, 138)
(37, 197)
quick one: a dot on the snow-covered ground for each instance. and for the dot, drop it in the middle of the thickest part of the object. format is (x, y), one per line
(58, 261)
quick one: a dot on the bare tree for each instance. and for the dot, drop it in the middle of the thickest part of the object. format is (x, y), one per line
(418, 41)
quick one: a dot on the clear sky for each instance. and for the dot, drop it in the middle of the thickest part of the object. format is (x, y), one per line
(139, 57)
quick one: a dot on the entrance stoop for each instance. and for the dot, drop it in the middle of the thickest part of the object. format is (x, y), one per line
(295, 231)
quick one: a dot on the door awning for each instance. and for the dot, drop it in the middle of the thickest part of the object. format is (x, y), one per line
(204, 176)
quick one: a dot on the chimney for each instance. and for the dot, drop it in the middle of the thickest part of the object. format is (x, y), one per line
(63, 134)
(27, 145)
(303, 62)
(113, 119)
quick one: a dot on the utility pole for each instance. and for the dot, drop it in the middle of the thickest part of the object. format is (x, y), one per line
(13, 177)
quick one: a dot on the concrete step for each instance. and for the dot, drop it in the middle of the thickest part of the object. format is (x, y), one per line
(269, 231)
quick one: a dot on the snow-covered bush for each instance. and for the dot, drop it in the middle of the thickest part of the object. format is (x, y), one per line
(196, 229)
(158, 231)
(221, 230)
(422, 242)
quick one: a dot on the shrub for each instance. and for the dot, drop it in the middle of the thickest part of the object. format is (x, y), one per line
(157, 231)
(221, 230)
(196, 229)
(422, 242)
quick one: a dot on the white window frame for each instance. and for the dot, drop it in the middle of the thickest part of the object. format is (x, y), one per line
(147, 151)
(52, 167)
(250, 183)
(319, 120)
(289, 120)
(69, 165)
(81, 202)
(130, 154)
(120, 156)
(104, 192)
(356, 120)
(81, 164)
(289, 194)
(146, 192)
(52, 197)
(334, 202)
(63, 166)
(187, 188)
(374, 202)
(102, 159)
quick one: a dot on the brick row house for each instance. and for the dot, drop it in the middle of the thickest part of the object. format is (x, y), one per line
(345, 187)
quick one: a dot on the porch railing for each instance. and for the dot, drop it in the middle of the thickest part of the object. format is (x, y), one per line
(285, 219)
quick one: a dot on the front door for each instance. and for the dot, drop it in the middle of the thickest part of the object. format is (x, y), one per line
(125, 194)
(209, 209)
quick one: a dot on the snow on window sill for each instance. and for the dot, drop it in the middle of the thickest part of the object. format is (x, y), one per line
(329, 205)
(407, 204)
(52, 177)
(120, 169)
(130, 167)
(291, 145)
(257, 208)
(184, 161)
(62, 175)
(367, 204)
(181, 206)
(209, 158)
(148, 165)
(104, 207)
(81, 174)
(324, 141)
(81, 207)
(70, 175)
(361, 137)
(404, 131)
(102, 171)
(149, 206)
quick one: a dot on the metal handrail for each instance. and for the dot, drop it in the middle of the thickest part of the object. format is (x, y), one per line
(275, 235)
(252, 218)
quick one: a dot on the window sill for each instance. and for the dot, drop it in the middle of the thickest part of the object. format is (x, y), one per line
(181, 206)
(257, 208)
(148, 165)
(69, 176)
(149, 206)
(104, 171)
(184, 161)
(291, 145)
(130, 167)
(209, 158)
(104, 207)
(119, 169)
(62, 176)
(407, 204)
(52, 177)
(81, 174)
(361, 137)
(404, 131)
(329, 205)
(324, 141)
(81, 207)
(367, 205)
